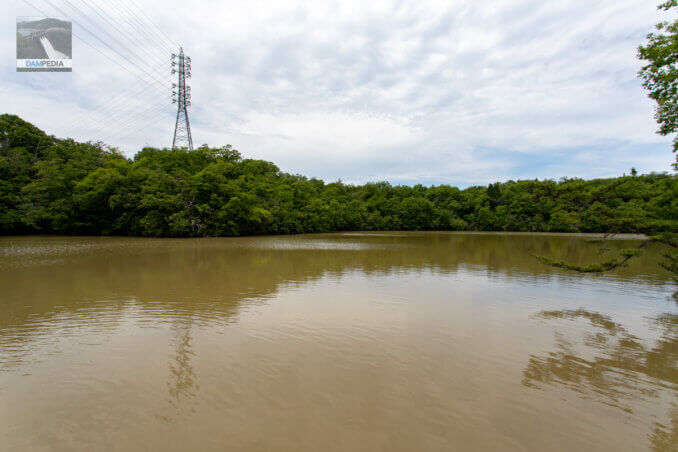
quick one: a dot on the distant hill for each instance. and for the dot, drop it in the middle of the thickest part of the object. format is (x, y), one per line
(44, 24)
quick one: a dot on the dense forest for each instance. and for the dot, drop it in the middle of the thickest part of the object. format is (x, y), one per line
(59, 186)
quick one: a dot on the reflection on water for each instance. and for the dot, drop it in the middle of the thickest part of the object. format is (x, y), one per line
(361, 341)
(665, 437)
(613, 366)
(182, 377)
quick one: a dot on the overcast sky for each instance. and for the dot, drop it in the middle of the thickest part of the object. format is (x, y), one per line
(459, 92)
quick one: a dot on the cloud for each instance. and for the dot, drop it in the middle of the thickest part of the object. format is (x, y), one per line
(423, 91)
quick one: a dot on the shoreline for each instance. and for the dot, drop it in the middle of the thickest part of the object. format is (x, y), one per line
(619, 236)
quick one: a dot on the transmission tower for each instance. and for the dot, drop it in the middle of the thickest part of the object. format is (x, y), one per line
(181, 95)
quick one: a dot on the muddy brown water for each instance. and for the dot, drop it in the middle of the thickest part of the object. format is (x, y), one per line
(351, 342)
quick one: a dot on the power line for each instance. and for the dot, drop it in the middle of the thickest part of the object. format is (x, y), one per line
(108, 107)
(114, 129)
(161, 49)
(110, 22)
(124, 130)
(136, 90)
(140, 128)
(107, 45)
(109, 113)
(117, 63)
(150, 21)
(100, 118)
(125, 122)
(89, 118)
(131, 19)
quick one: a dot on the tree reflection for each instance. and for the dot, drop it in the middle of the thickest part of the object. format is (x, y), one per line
(666, 437)
(613, 366)
(181, 381)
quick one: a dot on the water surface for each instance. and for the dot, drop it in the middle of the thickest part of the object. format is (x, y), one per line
(357, 341)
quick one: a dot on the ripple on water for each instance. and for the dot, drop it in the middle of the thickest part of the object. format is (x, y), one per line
(353, 341)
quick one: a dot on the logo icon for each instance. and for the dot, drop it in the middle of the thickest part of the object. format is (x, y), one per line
(44, 44)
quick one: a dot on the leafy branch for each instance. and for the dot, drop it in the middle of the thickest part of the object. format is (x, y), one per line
(610, 264)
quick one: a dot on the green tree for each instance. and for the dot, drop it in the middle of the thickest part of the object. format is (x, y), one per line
(50, 185)
(614, 207)
(660, 74)
(660, 78)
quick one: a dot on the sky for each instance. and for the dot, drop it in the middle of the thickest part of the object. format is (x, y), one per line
(410, 91)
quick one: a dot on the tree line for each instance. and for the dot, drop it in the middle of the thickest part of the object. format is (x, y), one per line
(60, 186)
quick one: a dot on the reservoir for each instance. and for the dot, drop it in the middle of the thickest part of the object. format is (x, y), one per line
(395, 341)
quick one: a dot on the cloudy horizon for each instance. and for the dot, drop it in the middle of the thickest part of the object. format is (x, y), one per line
(427, 92)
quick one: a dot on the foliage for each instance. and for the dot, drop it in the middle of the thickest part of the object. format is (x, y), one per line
(50, 185)
(660, 78)
(671, 263)
(629, 252)
(604, 266)
(660, 74)
(607, 265)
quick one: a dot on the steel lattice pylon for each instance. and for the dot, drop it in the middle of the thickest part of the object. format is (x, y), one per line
(182, 97)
